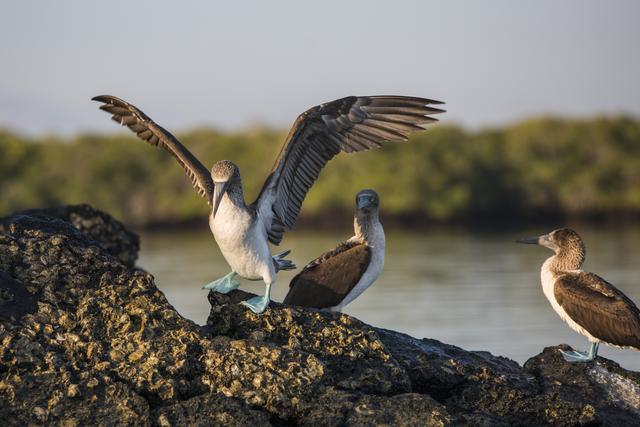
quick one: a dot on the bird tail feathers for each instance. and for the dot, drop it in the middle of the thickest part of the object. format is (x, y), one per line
(281, 263)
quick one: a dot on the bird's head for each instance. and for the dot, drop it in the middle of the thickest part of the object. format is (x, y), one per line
(367, 204)
(557, 240)
(367, 201)
(224, 173)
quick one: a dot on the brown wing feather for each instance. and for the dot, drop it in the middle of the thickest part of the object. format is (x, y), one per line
(325, 281)
(349, 124)
(128, 115)
(599, 307)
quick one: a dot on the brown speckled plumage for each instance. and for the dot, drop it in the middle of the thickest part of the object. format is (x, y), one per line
(225, 170)
(594, 304)
(569, 248)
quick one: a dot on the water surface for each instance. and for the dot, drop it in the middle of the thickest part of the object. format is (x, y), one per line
(476, 290)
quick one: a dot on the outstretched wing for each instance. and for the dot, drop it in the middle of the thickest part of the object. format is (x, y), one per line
(327, 280)
(147, 130)
(349, 124)
(590, 300)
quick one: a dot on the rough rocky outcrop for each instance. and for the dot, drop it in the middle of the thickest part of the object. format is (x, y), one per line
(110, 234)
(85, 338)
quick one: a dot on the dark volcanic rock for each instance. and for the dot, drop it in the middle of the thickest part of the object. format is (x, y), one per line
(209, 409)
(15, 299)
(335, 407)
(601, 392)
(87, 339)
(467, 387)
(351, 352)
(111, 235)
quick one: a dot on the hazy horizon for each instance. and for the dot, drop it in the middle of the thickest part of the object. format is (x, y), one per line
(228, 65)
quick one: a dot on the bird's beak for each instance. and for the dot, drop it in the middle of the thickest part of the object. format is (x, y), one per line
(536, 240)
(219, 189)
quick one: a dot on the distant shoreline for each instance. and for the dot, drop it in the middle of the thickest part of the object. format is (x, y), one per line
(539, 171)
(343, 221)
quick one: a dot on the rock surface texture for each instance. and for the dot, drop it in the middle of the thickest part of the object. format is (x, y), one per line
(86, 339)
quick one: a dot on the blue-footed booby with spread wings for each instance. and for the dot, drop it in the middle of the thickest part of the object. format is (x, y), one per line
(339, 276)
(243, 231)
(590, 305)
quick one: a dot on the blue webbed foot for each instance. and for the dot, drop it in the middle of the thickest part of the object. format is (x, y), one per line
(224, 285)
(581, 356)
(257, 304)
(576, 356)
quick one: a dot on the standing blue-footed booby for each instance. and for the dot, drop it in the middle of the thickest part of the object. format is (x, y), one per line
(589, 304)
(339, 276)
(242, 231)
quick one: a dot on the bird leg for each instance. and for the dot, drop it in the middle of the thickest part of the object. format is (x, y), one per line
(581, 356)
(259, 304)
(224, 285)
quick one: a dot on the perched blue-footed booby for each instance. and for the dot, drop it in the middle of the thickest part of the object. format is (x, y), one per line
(243, 231)
(589, 304)
(339, 276)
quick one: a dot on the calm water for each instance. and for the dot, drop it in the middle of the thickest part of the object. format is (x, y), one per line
(477, 290)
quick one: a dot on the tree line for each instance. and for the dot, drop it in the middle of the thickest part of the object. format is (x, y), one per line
(532, 170)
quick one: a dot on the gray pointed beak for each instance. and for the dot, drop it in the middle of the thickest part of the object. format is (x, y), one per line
(219, 189)
(535, 240)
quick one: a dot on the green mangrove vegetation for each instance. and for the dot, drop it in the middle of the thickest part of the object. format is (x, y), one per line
(529, 170)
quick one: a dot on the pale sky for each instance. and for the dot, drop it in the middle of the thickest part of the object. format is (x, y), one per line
(232, 64)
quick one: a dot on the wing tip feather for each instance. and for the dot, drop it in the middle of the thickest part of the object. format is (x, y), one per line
(107, 99)
(436, 111)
